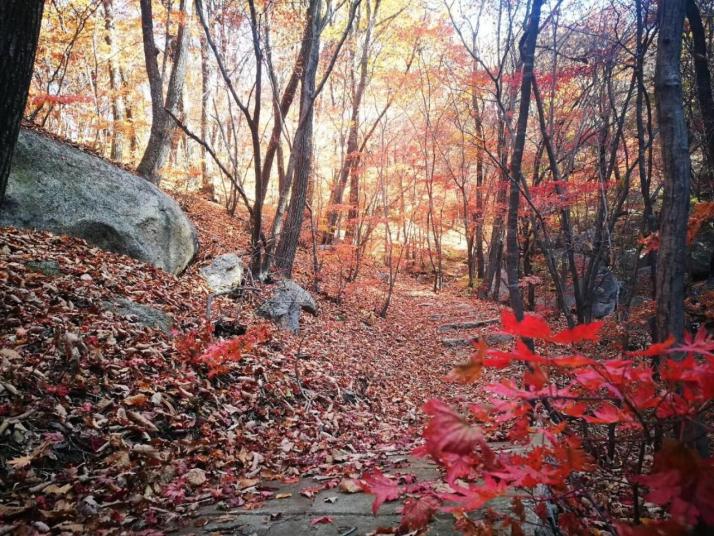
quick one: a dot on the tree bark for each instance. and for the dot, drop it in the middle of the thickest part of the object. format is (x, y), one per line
(162, 126)
(206, 182)
(528, 46)
(351, 163)
(301, 156)
(115, 84)
(20, 22)
(676, 162)
(703, 80)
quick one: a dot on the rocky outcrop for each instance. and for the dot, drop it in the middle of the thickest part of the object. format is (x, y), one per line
(224, 275)
(286, 304)
(56, 187)
(144, 315)
(606, 294)
(701, 254)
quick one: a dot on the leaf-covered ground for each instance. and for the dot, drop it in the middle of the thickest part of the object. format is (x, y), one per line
(108, 425)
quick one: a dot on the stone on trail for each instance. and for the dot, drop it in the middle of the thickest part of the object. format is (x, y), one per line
(143, 314)
(56, 187)
(456, 342)
(285, 305)
(468, 324)
(224, 275)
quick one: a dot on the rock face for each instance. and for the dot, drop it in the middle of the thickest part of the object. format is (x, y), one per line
(224, 275)
(142, 314)
(285, 305)
(606, 294)
(56, 187)
(701, 254)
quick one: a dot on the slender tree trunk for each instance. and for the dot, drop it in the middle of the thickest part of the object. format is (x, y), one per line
(493, 266)
(649, 223)
(281, 110)
(350, 166)
(162, 126)
(20, 22)
(115, 84)
(206, 182)
(675, 158)
(301, 155)
(479, 216)
(512, 250)
(703, 79)
(565, 224)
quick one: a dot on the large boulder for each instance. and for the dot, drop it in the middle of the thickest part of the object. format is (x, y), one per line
(285, 305)
(224, 275)
(701, 253)
(606, 294)
(56, 187)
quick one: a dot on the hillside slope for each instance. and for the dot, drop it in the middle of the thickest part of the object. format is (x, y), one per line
(110, 418)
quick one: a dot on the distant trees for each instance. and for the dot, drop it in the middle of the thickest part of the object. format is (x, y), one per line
(293, 95)
(20, 22)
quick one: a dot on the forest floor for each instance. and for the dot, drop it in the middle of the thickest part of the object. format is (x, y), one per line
(109, 423)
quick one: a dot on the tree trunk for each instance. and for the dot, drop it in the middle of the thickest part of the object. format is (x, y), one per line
(350, 166)
(528, 46)
(115, 84)
(206, 182)
(675, 159)
(20, 22)
(162, 126)
(301, 155)
(703, 79)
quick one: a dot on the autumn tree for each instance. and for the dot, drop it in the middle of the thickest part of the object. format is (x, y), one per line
(162, 106)
(20, 22)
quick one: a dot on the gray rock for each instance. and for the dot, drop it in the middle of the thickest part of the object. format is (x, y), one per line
(285, 305)
(701, 253)
(56, 187)
(606, 294)
(50, 268)
(143, 314)
(456, 342)
(224, 275)
(498, 339)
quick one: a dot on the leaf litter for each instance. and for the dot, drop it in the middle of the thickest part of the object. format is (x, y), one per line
(108, 425)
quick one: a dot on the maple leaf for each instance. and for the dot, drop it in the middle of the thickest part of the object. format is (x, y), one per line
(580, 333)
(417, 513)
(448, 432)
(654, 350)
(701, 344)
(322, 520)
(470, 371)
(681, 479)
(385, 489)
(572, 361)
(474, 497)
(607, 413)
(532, 326)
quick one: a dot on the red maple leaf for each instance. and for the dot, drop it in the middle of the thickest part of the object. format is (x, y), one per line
(583, 332)
(418, 512)
(448, 432)
(385, 489)
(532, 326)
(322, 520)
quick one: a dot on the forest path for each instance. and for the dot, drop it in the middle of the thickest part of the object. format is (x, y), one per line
(405, 359)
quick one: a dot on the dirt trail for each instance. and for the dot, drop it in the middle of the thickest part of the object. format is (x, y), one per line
(402, 362)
